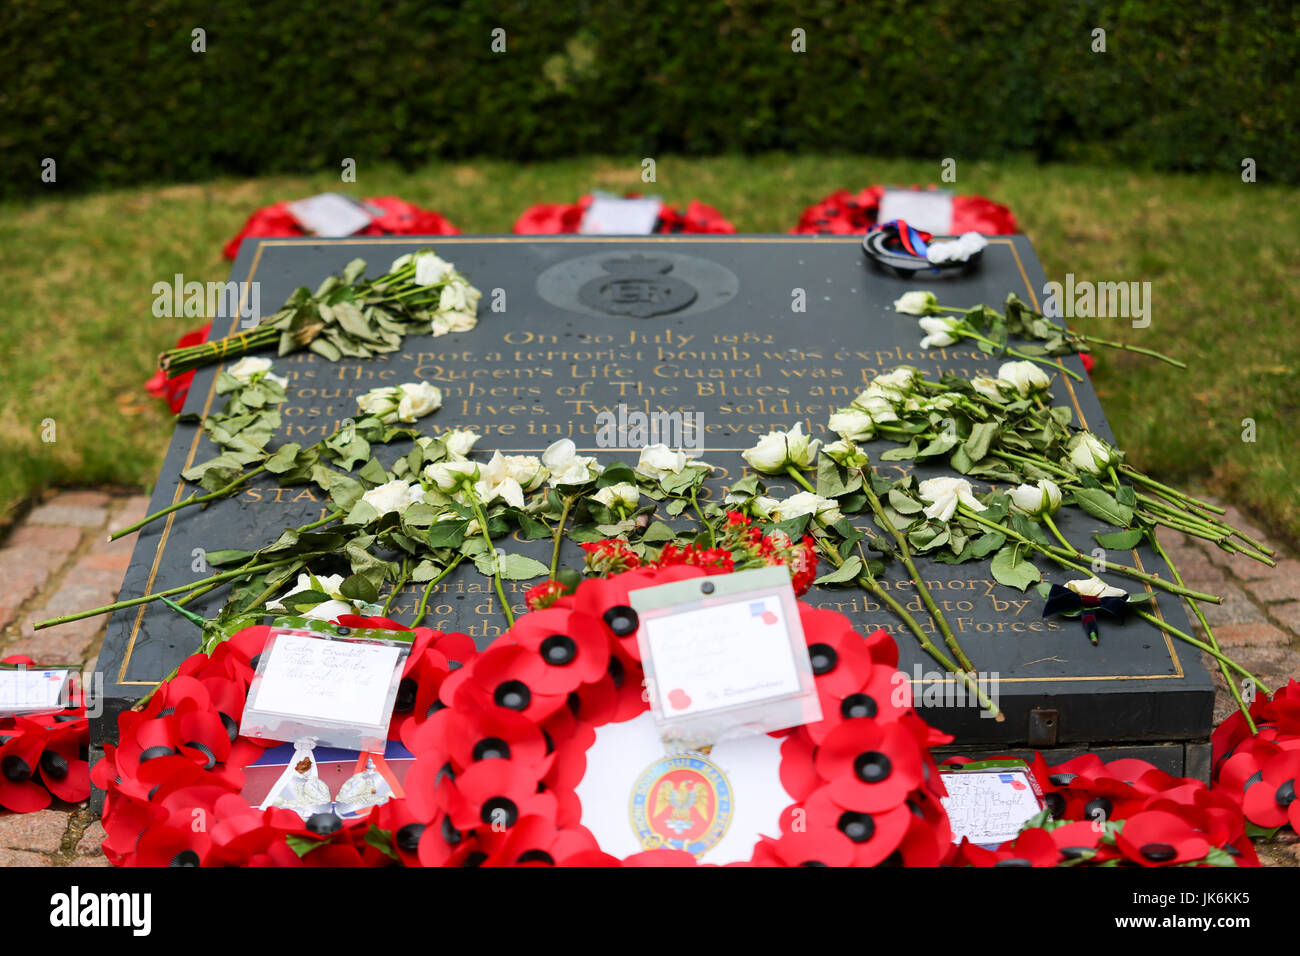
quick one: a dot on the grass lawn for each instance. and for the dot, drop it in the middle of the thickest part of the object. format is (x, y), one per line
(78, 338)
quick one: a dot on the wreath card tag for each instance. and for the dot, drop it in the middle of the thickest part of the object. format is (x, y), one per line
(724, 657)
(989, 801)
(28, 691)
(337, 689)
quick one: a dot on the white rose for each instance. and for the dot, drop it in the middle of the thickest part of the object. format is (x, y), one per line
(845, 453)
(658, 461)
(1042, 498)
(566, 466)
(902, 379)
(944, 494)
(1025, 377)
(878, 403)
(852, 424)
(458, 442)
(393, 496)
(251, 365)
(496, 481)
(915, 303)
(777, 450)
(939, 332)
(624, 493)
(1089, 453)
(806, 503)
(399, 262)
(1094, 587)
(417, 399)
(430, 270)
(762, 505)
(449, 475)
(956, 250)
(988, 387)
(381, 402)
(327, 584)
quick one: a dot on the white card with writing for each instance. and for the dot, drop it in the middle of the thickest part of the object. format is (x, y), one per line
(32, 691)
(612, 216)
(721, 656)
(929, 210)
(330, 214)
(338, 681)
(989, 807)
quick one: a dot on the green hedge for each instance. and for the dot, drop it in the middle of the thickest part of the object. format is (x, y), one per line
(119, 98)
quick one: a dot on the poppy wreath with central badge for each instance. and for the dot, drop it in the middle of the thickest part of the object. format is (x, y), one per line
(500, 740)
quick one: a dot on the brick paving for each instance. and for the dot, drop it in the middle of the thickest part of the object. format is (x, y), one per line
(58, 560)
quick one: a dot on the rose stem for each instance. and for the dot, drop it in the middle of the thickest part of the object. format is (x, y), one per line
(401, 583)
(713, 541)
(558, 536)
(496, 567)
(424, 601)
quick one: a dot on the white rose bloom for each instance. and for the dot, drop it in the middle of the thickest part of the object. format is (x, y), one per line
(1089, 453)
(458, 442)
(528, 470)
(988, 387)
(658, 461)
(624, 493)
(878, 403)
(449, 475)
(251, 365)
(901, 379)
(939, 332)
(430, 270)
(328, 584)
(1025, 377)
(762, 505)
(915, 303)
(1094, 587)
(777, 450)
(444, 322)
(845, 453)
(852, 424)
(566, 466)
(1042, 498)
(399, 262)
(416, 400)
(393, 496)
(806, 503)
(497, 481)
(381, 402)
(944, 494)
(956, 250)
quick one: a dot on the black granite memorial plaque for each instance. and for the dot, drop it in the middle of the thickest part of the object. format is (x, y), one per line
(573, 326)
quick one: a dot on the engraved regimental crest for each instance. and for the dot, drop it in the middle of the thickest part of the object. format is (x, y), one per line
(639, 286)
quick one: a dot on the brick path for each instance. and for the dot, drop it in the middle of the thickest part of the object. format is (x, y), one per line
(57, 560)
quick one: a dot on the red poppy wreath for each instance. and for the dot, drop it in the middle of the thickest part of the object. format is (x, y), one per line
(501, 743)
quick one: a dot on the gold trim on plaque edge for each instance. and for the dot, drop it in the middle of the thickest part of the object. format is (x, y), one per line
(252, 269)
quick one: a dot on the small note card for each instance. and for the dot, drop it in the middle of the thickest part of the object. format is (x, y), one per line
(724, 657)
(615, 216)
(989, 804)
(336, 691)
(32, 690)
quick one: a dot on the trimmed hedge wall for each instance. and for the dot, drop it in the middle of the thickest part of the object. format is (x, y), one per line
(118, 97)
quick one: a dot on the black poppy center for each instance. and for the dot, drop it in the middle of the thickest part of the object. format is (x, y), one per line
(858, 827)
(1158, 852)
(858, 705)
(185, 858)
(622, 620)
(559, 650)
(449, 832)
(323, 824)
(206, 751)
(153, 753)
(1074, 852)
(53, 765)
(1285, 795)
(406, 691)
(823, 658)
(491, 748)
(1101, 804)
(1013, 861)
(536, 856)
(231, 725)
(617, 671)
(499, 811)
(408, 837)
(513, 695)
(1061, 779)
(15, 769)
(872, 766)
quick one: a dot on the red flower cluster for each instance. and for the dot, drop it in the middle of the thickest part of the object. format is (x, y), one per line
(611, 556)
(44, 754)
(558, 218)
(173, 390)
(753, 548)
(500, 741)
(1261, 772)
(541, 596)
(1125, 811)
(844, 213)
(400, 218)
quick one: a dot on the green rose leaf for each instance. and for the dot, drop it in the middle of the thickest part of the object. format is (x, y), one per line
(1011, 568)
(359, 588)
(1120, 540)
(848, 571)
(1101, 504)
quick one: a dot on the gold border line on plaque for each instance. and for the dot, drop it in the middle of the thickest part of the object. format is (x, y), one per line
(482, 240)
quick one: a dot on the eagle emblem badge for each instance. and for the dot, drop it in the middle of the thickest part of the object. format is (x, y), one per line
(682, 802)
